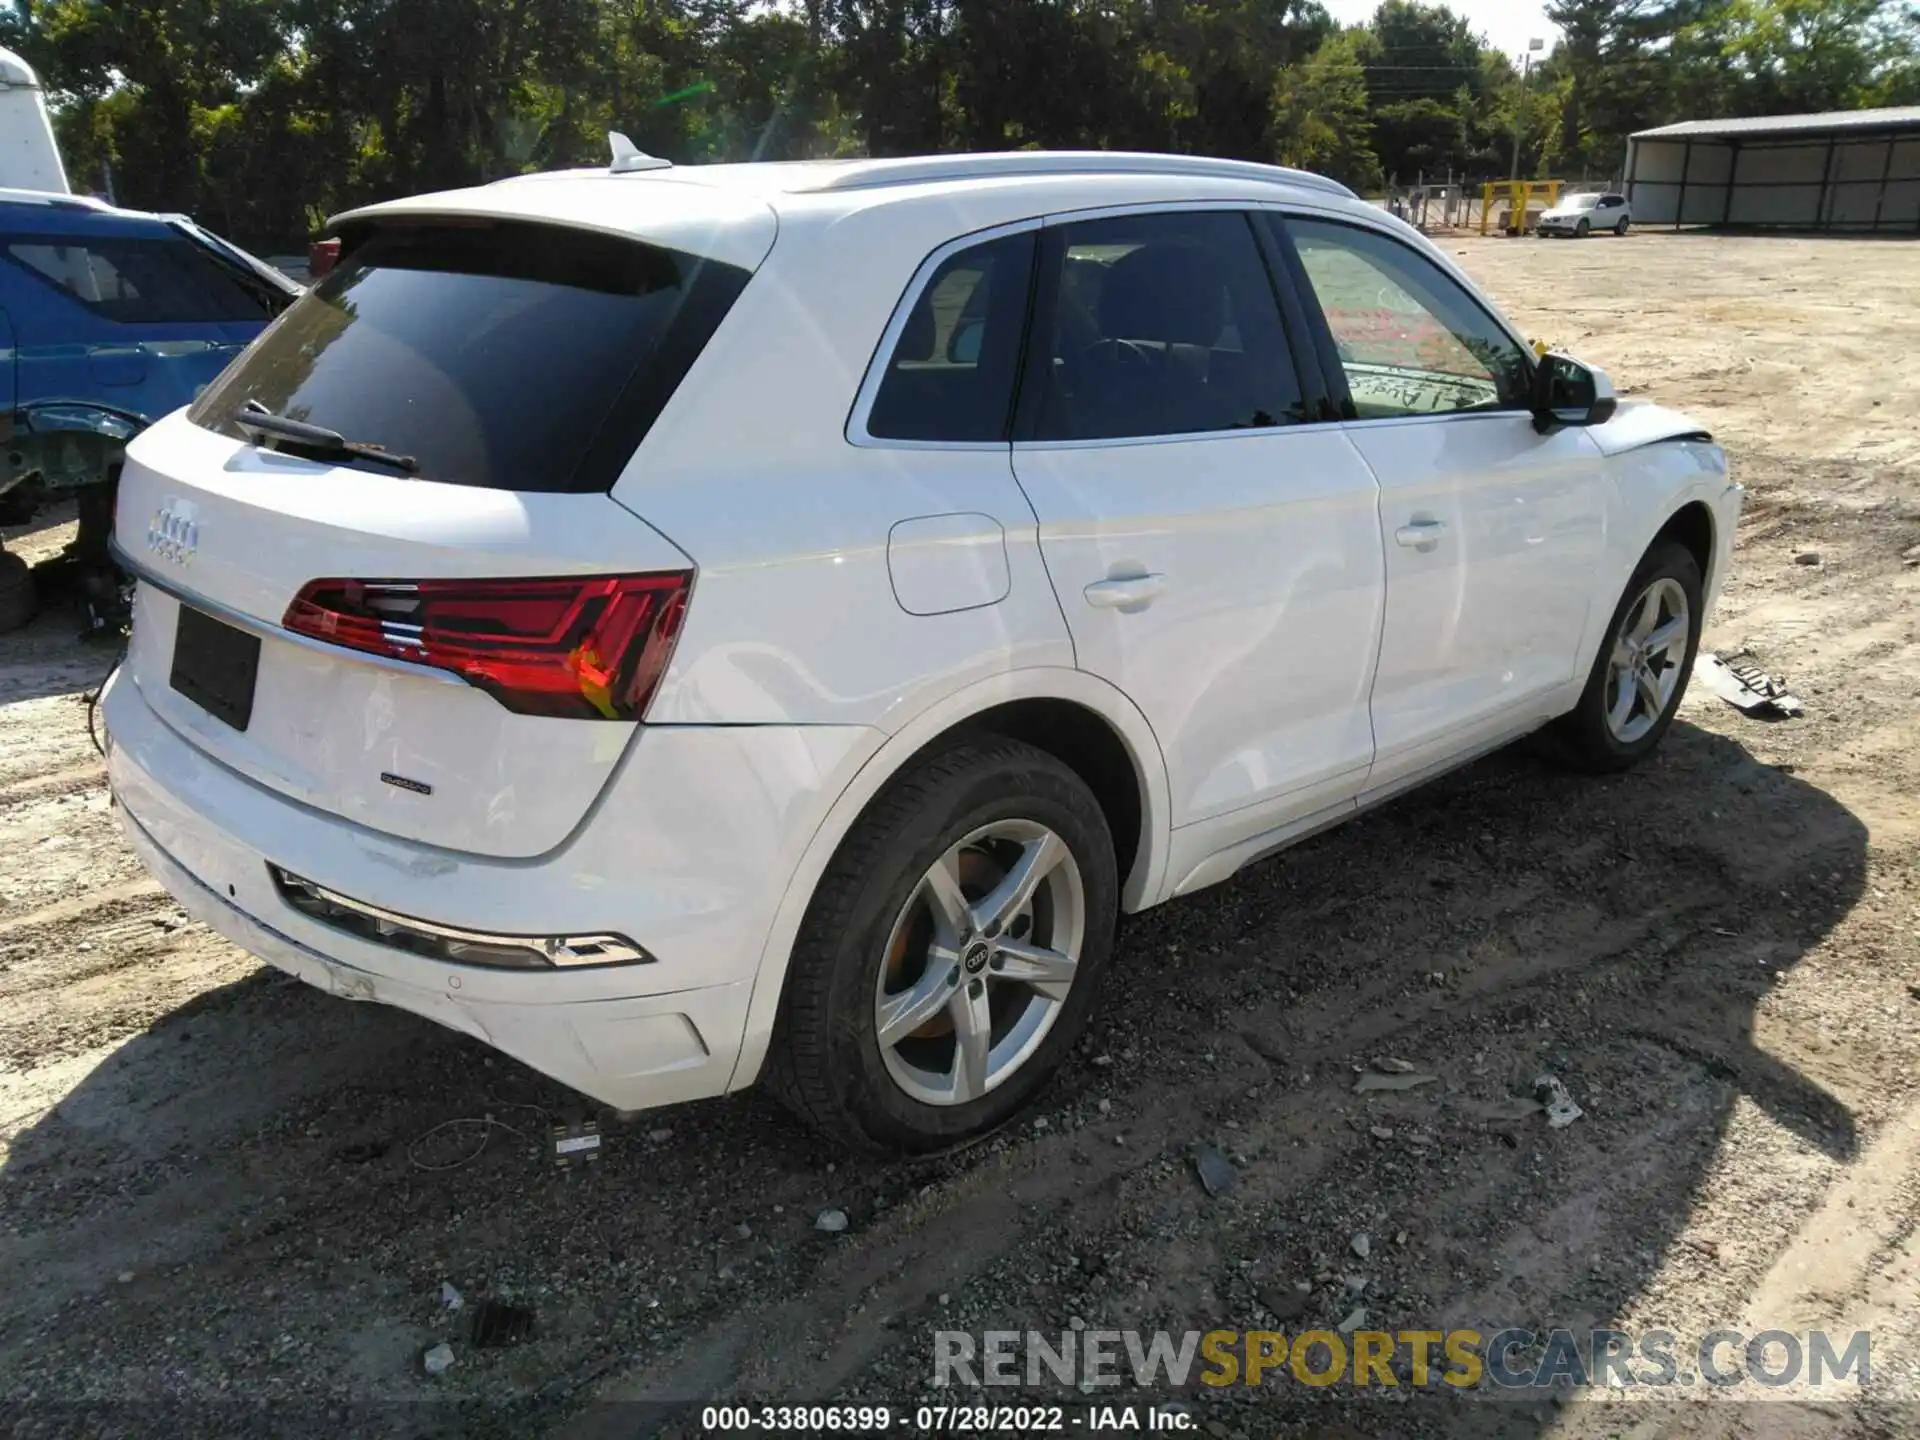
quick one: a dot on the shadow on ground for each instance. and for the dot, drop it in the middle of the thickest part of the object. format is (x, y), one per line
(252, 1198)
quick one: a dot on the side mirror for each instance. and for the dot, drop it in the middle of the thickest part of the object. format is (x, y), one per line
(1565, 392)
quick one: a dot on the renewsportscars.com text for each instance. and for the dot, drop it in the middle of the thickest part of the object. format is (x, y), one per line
(1461, 1359)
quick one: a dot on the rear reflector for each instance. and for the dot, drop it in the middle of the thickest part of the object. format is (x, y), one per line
(448, 942)
(574, 647)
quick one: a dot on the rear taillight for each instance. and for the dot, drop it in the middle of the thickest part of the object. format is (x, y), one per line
(587, 648)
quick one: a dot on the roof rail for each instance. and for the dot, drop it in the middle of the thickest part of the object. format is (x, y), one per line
(924, 169)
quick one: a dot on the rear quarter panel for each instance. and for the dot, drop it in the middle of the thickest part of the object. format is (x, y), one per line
(796, 617)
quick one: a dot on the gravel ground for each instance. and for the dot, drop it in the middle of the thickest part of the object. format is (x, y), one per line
(230, 1203)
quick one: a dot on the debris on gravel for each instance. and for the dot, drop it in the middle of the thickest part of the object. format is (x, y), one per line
(437, 1359)
(1215, 1170)
(830, 1221)
(1552, 1094)
(1374, 1080)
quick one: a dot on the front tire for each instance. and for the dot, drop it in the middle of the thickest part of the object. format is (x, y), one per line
(1583, 229)
(1641, 672)
(949, 959)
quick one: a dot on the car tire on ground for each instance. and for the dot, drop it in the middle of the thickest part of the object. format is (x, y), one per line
(1641, 672)
(1621, 228)
(1583, 229)
(19, 601)
(903, 929)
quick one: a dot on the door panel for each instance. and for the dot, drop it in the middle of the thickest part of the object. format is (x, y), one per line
(1216, 560)
(1494, 536)
(1254, 659)
(1493, 531)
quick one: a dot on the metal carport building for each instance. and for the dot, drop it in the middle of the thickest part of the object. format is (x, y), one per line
(1844, 170)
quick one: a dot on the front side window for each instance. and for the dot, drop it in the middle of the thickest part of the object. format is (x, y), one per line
(508, 356)
(1411, 341)
(1163, 324)
(145, 281)
(951, 375)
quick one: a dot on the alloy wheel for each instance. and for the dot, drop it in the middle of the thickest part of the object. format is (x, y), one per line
(979, 962)
(1648, 651)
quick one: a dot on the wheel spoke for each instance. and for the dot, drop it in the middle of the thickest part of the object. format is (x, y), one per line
(1648, 617)
(972, 1040)
(1650, 694)
(1663, 640)
(1048, 971)
(900, 1015)
(1015, 890)
(1623, 693)
(942, 889)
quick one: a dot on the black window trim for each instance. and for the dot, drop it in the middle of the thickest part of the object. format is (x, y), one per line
(1336, 375)
(1313, 383)
(882, 358)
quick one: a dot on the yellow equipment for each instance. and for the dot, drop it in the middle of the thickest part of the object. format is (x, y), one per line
(1517, 193)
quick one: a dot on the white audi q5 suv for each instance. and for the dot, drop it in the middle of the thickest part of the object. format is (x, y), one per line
(684, 626)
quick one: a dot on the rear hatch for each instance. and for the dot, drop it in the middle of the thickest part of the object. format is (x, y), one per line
(380, 570)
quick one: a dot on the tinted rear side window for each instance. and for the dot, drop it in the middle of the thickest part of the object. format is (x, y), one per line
(952, 371)
(1163, 324)
(509, 356)
(138, 281)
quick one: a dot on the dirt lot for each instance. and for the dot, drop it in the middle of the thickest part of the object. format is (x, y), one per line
(213, 1195)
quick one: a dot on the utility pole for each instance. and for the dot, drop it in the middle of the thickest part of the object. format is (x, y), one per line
(1526, 70)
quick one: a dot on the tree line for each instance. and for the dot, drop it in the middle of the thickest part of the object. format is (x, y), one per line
(261, 117)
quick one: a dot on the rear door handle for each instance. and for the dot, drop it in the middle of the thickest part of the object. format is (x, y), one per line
(1421, 534)
(1125, 594)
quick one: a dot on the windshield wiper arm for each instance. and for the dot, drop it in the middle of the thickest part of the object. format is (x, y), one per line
(255, 416)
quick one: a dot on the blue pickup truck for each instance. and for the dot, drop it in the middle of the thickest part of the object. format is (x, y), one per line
(109, 319)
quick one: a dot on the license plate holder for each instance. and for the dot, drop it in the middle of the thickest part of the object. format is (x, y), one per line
(215, 665)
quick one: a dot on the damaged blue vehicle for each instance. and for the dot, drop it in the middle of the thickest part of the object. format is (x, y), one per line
(109, 319)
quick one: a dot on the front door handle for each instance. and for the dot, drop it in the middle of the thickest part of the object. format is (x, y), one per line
(1130, 593)
(1421, 534)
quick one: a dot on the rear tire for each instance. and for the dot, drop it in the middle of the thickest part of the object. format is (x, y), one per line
(885, 938)
(1621, 228)
(19, 601)
(1640, 675)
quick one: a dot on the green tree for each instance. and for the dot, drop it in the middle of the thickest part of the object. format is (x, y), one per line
(1321, 119)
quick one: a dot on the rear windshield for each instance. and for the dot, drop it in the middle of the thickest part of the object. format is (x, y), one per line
(145, 281)
(509, 356)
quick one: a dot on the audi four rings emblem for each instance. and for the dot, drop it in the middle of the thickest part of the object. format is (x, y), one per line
(174, 532)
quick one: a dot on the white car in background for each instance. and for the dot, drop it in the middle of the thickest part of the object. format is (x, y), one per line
(1581, 215)
(681, 626)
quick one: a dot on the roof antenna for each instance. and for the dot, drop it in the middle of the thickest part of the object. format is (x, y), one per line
(629, 157)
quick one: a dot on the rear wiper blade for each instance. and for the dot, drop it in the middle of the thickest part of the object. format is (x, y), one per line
(255, 416)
